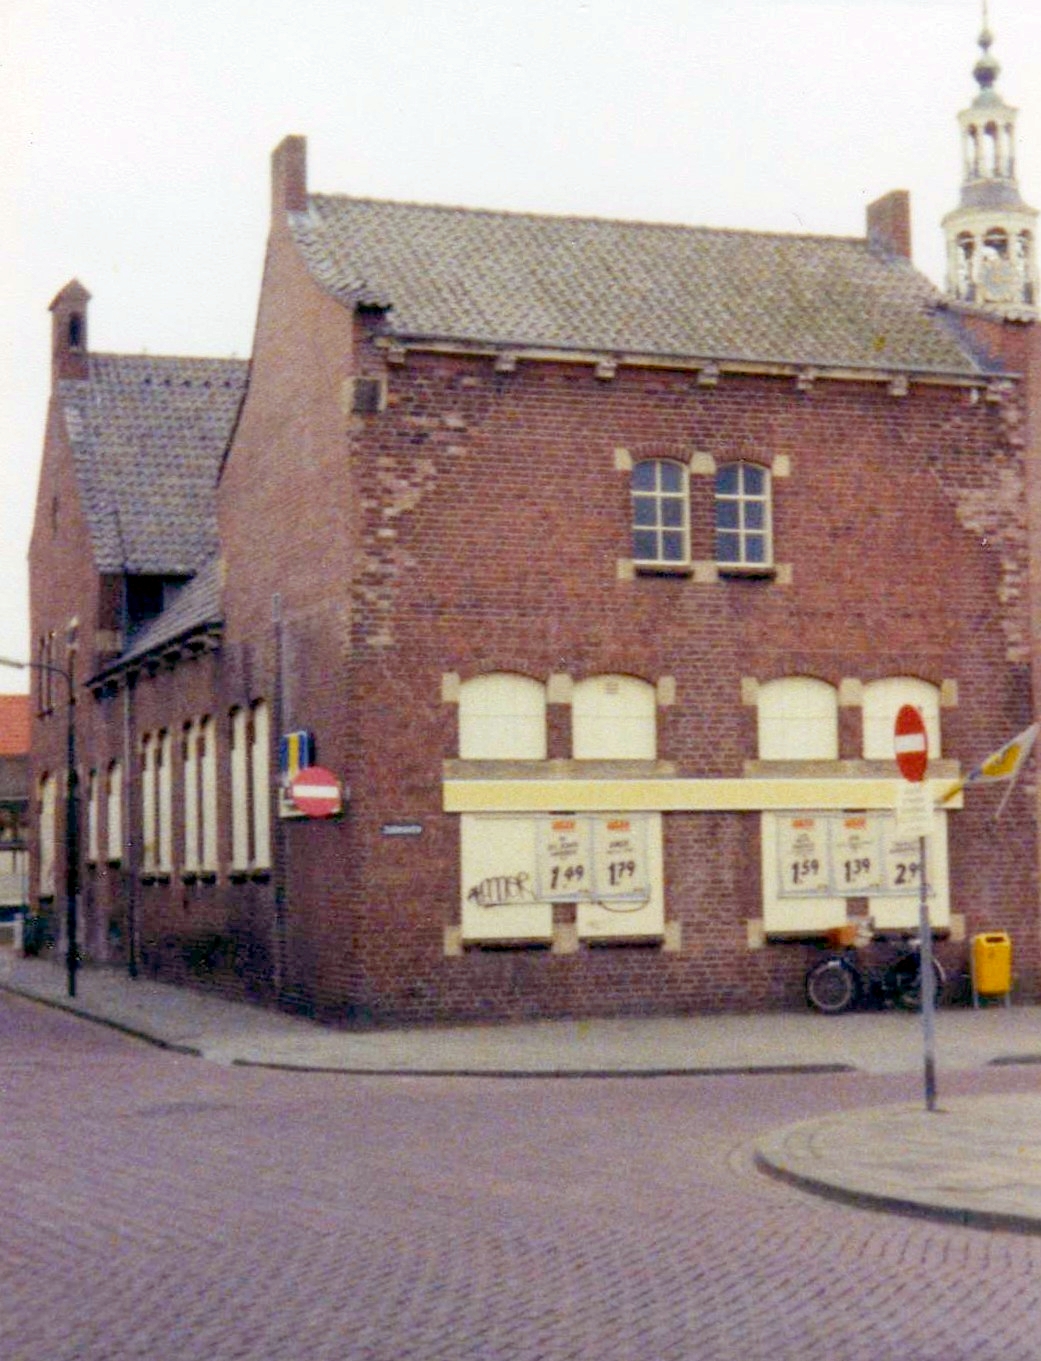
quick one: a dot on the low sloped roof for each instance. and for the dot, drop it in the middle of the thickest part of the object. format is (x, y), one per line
(148, 434)
(517, 280)
(195, 606)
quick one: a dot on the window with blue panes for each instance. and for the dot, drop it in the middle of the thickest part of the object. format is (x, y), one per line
(743, 515)
(661, 518)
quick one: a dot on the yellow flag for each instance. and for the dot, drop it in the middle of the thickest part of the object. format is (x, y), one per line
(1003, 764)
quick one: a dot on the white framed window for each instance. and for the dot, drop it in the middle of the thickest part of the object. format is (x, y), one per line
(149, 843)
(190, 771)
(114, 813)
(249, 736)
(260, 784)
(164, 802)
(883, 699)
(48, 806)
(93, 820)
(238, 756)
(798, 720)
(614, 718)
(743, 516)
(207, 756)
(502, 716)
(661, 514)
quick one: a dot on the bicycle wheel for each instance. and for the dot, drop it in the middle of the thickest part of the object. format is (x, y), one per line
(832, 986)
(907, 983)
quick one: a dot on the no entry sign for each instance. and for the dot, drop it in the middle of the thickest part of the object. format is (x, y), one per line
(316, 792)
(911, 743)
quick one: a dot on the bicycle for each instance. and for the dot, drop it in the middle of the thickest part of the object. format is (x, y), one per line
(846, 978)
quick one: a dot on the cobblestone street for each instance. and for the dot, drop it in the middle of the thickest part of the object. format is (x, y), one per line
(160, 1207)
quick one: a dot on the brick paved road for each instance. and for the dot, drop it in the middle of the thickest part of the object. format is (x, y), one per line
(161, 1208)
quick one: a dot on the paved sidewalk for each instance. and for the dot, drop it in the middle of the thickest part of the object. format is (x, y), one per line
(223, 1031)
(974, 1160)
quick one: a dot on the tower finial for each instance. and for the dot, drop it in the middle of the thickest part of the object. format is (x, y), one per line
(986, 69)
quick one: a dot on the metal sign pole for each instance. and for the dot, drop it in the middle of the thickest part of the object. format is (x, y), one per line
(928, 979)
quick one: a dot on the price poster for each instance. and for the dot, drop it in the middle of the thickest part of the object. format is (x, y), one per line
(856, 854)
(620, 859)
(802, 847)
(903, 863)
(564, 859)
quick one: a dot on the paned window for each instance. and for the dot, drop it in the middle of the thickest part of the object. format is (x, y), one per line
(743, 515)
(661, 514)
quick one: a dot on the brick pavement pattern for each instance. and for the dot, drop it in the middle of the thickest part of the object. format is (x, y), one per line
(155, 1207)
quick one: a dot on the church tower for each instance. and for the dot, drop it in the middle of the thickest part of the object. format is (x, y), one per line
(991, 235)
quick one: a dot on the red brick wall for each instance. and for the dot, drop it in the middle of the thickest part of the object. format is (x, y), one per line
(476, 525)
(492, 521)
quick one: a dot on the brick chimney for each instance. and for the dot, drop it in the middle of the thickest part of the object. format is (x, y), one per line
(889, 224)
(69, 332)
(289, 176)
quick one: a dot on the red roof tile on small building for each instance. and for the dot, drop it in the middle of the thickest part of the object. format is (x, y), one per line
(14, 725)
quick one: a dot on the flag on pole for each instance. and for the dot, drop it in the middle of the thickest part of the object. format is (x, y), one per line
(1003, 764)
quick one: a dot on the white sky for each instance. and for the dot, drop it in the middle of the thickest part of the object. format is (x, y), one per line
(135, 136)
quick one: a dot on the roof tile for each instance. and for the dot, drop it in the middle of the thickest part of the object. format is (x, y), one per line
(14, 725)
(148, 434)
(627, 287)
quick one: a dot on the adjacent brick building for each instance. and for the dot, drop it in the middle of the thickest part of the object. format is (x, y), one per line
(14, 805)
(595, 559)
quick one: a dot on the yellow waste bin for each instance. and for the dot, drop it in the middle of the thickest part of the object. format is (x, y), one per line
(991, 964)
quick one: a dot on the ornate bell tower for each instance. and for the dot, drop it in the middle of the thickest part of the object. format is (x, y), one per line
(991, 235)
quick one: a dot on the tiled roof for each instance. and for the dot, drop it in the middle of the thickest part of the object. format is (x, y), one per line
(148, 434)
(627, 288)
(196, 604)
(14, 725)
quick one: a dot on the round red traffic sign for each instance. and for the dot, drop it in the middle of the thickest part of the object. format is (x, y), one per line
(316, 792)
(911, 743)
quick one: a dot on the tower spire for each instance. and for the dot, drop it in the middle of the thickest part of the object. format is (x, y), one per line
(991, 236)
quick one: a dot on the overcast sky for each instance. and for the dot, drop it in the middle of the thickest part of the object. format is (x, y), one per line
(135, 138)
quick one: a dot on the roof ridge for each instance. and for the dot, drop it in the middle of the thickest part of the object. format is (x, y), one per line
(170, 358)
(516, 214)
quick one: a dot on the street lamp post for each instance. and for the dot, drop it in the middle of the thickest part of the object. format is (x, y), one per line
(71, 815)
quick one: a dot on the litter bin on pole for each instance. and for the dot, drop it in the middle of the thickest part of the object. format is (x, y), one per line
(991, 966)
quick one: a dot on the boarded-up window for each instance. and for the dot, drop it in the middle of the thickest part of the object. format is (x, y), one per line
(883, 699)
(614, 718)
(502, 717)
(798, 720)
(47, 834)
(114, 813)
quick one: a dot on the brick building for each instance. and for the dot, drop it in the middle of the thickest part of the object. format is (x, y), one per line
(595, 559)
